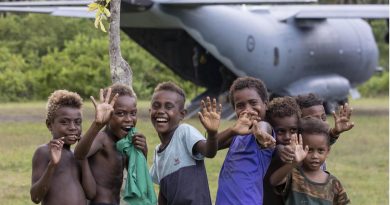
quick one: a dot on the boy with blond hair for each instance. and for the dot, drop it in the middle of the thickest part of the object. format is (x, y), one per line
(57, 177)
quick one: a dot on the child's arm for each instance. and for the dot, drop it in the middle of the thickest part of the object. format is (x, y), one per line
(262, 131)
(210, 118)
(87, 180)
(88, 145)
(241, 127)
(42, 172)
(139, 141)
(342, 122)
(280, 175)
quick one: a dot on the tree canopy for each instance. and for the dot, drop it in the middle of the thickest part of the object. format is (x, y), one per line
(41, 53)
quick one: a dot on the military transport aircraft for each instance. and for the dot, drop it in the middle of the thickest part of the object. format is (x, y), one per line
(294, 49)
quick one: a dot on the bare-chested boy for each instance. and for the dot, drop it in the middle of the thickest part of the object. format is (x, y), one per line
(57, 177)
(117, 112)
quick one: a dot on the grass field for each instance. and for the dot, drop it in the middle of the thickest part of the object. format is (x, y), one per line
(359, 159)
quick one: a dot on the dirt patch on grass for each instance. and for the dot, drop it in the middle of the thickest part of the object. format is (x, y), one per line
(371, 112)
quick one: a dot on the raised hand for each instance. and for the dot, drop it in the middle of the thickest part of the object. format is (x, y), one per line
(244, 123)
(300, 152)
(104, 109)
(55, 150)
(342, 119)
(210, 115)
(286, 153)
(139, 142)
(262, 131)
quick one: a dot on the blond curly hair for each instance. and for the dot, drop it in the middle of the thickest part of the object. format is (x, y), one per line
(61, 98)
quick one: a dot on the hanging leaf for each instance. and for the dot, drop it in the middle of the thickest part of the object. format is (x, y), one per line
(102, 27)
(102, 13)
(97, 20)
(106, 12)
(92, 6)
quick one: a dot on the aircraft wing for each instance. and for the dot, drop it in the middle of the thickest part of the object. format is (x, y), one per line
(76, 8)
(224, 2)
(284, 12)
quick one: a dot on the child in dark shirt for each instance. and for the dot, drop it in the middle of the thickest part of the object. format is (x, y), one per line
(283, 114)
(303, 181)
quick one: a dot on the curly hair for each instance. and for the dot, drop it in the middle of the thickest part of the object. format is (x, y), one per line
(59, 99)
(170, 86)
(282, 107)
(121, 90)
(309, 100)
(311, 125)
(248, 82)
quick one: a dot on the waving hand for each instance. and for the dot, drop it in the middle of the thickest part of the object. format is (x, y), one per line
(104, 108)
(210, 115)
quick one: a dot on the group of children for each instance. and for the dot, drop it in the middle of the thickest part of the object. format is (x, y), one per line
(276, 155)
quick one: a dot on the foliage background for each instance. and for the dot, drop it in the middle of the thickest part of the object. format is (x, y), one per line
(41, 53)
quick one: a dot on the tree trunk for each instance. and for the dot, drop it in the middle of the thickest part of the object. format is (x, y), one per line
(120, 70)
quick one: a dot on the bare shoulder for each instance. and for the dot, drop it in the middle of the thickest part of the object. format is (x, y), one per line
(42, 150)
(104, 142)
(103, 138)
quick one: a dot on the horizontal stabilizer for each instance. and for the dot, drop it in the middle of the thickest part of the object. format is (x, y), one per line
(81, 12)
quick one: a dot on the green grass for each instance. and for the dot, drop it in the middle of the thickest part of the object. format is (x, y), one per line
(359, 158)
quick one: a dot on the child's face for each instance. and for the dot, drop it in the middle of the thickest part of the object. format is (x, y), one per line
(166, 112)
(67, 124)
(318, 151)
(124, 116)
(316, 111)
(284, 128)
(248, 99)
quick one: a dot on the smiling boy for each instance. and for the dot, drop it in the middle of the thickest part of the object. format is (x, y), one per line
(250, 145)
(117, 114)
(178, 165)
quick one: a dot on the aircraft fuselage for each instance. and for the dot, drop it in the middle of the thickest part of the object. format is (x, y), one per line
(324, 56)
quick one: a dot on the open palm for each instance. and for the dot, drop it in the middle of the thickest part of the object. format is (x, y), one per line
(300, 152)
(210, 115)
(105, 107)
(244, 123)
(342, 119)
